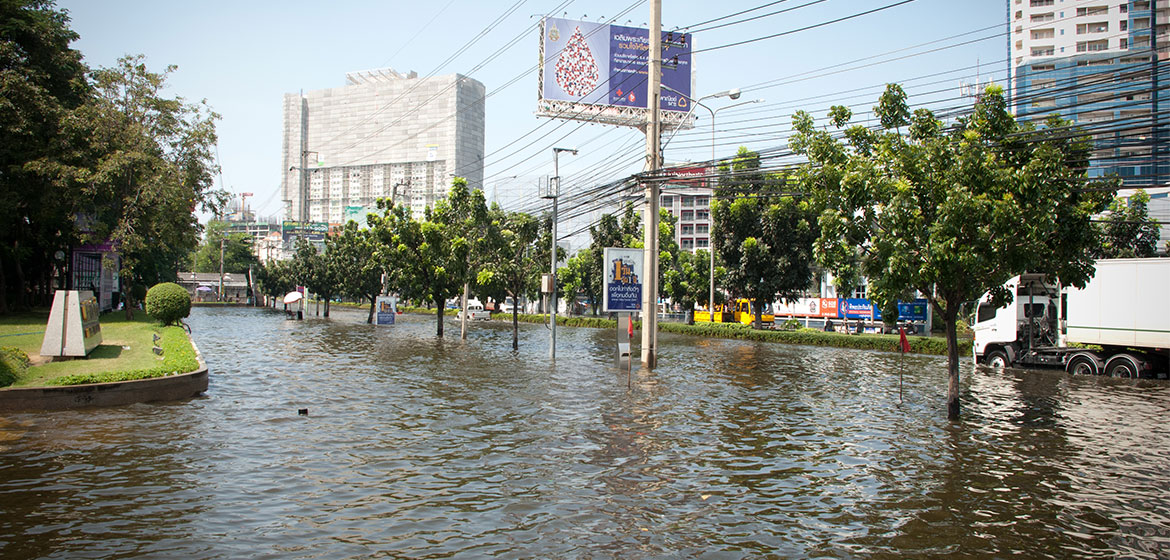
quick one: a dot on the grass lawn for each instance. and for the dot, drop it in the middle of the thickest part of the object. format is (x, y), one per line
(124, 353)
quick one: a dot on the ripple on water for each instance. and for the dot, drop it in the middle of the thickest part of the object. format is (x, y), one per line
(420, 447)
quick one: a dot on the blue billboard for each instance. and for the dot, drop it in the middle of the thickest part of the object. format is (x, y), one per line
(858, 308)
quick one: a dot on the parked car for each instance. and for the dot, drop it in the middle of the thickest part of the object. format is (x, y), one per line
(475, 311)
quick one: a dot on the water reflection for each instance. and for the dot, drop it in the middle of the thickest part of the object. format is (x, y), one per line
(419, 447)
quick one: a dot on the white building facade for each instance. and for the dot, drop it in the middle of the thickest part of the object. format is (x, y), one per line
(382, 135)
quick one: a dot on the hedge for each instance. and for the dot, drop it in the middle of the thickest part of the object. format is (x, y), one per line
(178, 357)
(13, 362)
(811, 337)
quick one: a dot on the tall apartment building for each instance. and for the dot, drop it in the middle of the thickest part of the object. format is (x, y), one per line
(1102, 64)
(381, 135)
(688, 198)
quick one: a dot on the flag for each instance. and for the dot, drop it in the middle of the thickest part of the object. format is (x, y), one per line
(904, 345)
(631, 326)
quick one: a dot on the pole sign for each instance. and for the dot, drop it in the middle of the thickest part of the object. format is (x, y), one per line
(386, 308)
(623, 280)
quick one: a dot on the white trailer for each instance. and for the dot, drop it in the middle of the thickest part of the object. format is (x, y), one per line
(1118, 325)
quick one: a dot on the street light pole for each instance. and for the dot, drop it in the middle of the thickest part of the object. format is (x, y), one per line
(733, 94)
(653, 162)
(556, 191)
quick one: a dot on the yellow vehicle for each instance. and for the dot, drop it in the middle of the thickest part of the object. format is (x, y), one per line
(739, 311)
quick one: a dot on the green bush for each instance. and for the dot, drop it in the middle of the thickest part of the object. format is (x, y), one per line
(168, 303)
(13, 362)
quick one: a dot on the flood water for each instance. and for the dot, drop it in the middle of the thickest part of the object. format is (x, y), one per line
(415, 447)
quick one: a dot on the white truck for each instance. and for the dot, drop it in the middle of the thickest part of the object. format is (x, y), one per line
(475, 311)
(1118, 325)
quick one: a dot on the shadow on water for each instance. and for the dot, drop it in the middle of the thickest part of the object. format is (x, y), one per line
(414, 446)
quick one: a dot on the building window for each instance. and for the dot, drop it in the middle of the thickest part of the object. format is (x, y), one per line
(1124, 25)
(1043, 67)
(1040, 3)
(667, 200)
(1124, 44)
(703, 215)
(1041, 18)
(688, 215)
(687, 244)
(1093, 11)
(702, 201)
(1095, 27)
(688, 202)
(1043, 33)
(1047, 50)
(1093, 46)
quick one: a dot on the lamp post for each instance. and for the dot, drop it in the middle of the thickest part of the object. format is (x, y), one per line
(556, 191)
(733, 94)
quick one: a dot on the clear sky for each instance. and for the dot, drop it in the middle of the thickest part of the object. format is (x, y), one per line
(242, 56)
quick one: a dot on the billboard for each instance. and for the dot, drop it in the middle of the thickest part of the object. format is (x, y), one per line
(313, 231)
(623, 279)
(598, 66)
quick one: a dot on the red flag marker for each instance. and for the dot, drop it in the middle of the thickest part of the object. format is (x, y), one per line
(905, 344)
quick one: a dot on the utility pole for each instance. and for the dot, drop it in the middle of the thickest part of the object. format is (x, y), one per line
(653, 162)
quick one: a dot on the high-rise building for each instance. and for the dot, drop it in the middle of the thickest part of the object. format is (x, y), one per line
(381, 135)
(1102, 64)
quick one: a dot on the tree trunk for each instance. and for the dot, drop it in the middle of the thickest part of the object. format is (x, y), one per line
(3, 287)
(691, 314)
(370, 317)
(515, 325)
(757, 315)
(127, 299)
(21, 301)
(439, 308)
(950, 318)
(327, 300)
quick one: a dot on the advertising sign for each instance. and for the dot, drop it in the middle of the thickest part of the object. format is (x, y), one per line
(907, 311)
(854, 308)
(601, 64)
(386, 308)
(623, 280)
(313, 231)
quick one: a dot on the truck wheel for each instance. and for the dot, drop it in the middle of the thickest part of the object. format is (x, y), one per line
(1123, 365)
(1083, 364)
(996, 358)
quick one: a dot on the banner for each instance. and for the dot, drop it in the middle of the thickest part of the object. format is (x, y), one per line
(623, 279)
(601, 64)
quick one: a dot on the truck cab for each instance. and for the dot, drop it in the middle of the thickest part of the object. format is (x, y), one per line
(1014, 333)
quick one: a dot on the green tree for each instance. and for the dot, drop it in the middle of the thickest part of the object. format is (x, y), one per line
(952, 212)
(277, 278)
(430, 255)
(466, 215)
(317, 271)
(687, 282)
(146, 167)
(1127, 230)
(42, 81)
(238, 252)
(579, 277)
(521, 247)
(358, 266)
(764, 239)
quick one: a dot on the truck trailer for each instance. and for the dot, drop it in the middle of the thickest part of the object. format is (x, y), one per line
(1118, 325)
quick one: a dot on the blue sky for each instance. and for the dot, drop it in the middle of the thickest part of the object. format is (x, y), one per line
(243, 56)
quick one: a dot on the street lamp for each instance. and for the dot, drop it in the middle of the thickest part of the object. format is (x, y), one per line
(733, 94)
(556, 191)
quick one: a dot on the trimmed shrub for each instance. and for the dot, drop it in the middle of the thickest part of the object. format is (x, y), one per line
(13, 362)
(168, 303)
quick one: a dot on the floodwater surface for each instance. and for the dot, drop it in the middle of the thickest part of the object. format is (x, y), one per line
(419, 447)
